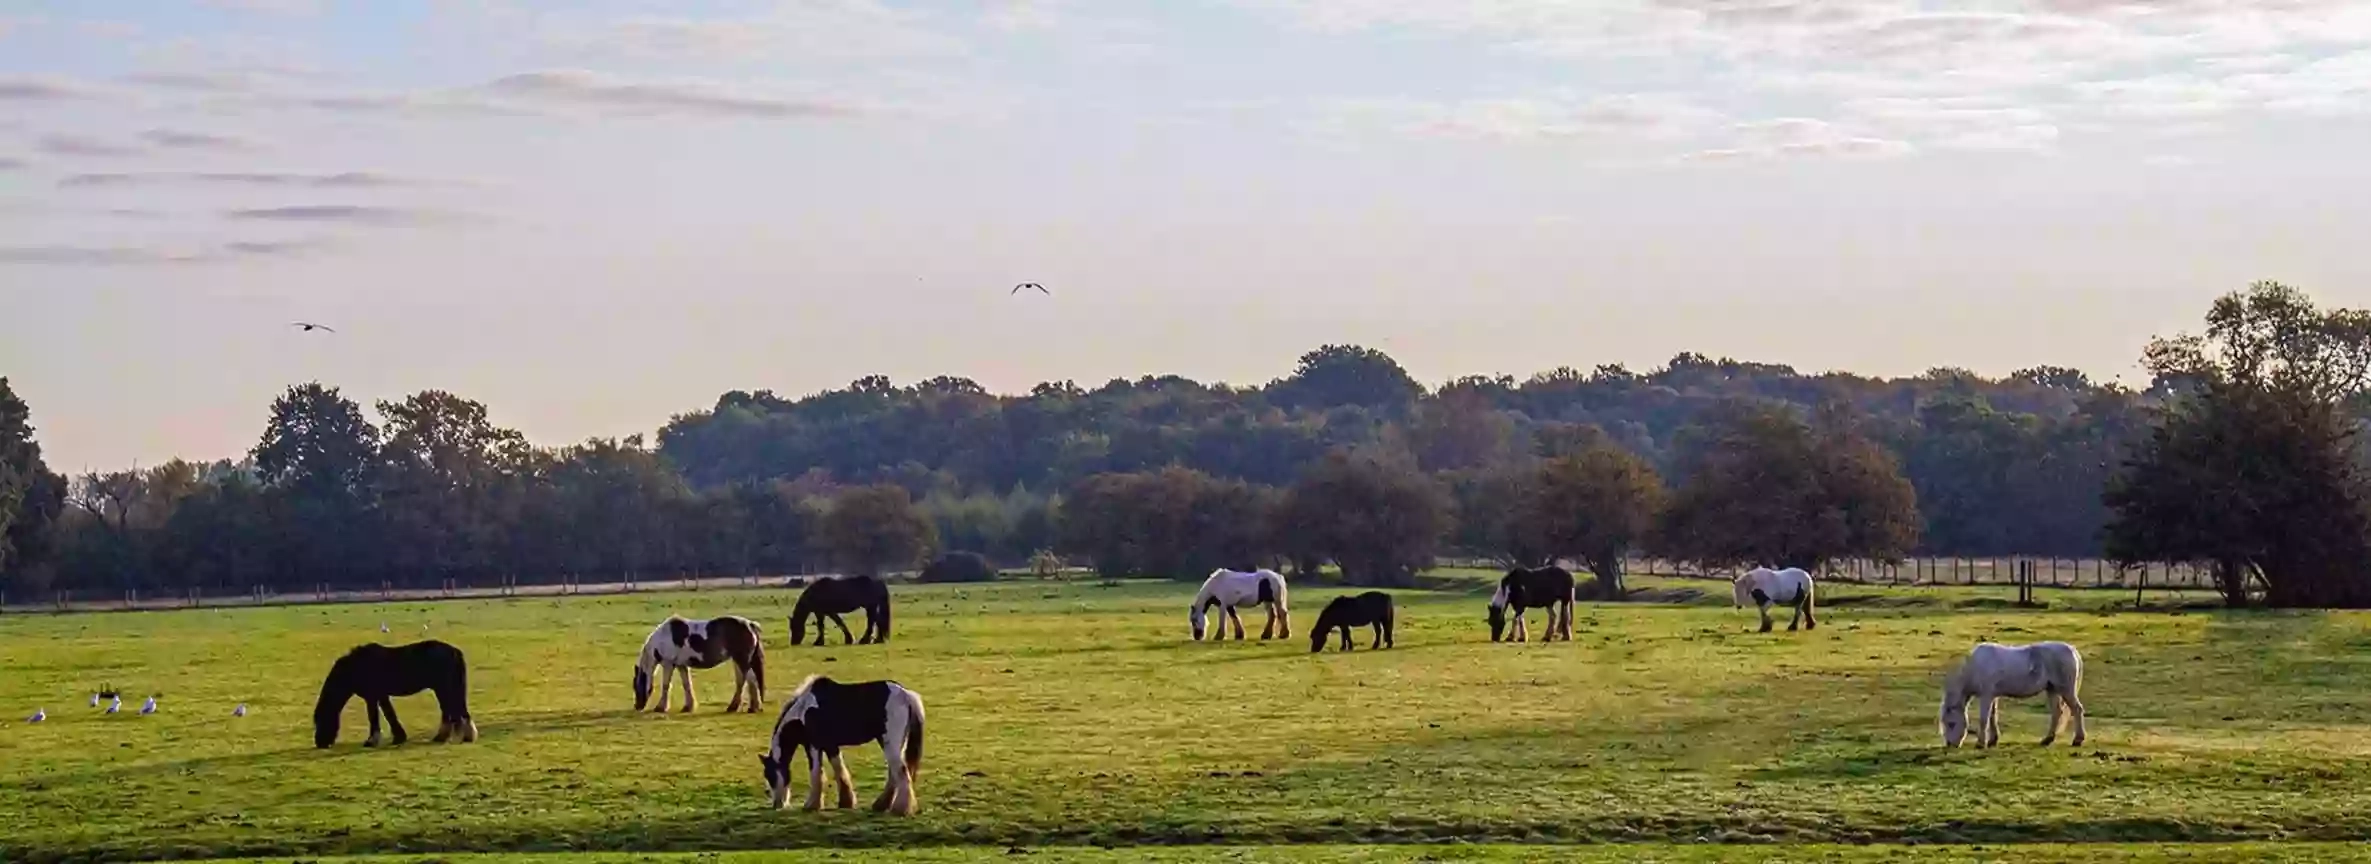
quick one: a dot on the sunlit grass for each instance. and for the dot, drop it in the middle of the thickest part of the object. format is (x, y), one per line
(1073, 714)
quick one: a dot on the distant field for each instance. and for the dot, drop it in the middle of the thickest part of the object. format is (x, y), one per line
(1067, 714)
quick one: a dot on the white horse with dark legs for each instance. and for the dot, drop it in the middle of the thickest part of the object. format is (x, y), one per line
(2053, 669)
(1763, 586)
(823, 716)
(1228, 589)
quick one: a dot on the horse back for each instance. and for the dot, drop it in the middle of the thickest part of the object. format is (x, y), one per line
(847, 714)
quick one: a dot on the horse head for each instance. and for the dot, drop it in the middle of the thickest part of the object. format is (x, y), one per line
(1953, 719)
(1498, 605)
(336, 690)
(1198, 614)
(642, 666)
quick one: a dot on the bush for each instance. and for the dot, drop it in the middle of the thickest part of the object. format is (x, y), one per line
(958, 567)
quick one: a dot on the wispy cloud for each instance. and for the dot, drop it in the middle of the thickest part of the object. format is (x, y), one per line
(174, 139)
(78, 145)
(198, 82)
(1800, 137)
(800, 32)
(347, 180)
(272, 7)
(33, 89)
(8, 163)
(133, 256)
(356, 214)
(581, 89)
(1548, 117)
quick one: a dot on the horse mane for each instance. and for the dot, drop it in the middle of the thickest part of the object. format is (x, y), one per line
(801, 690)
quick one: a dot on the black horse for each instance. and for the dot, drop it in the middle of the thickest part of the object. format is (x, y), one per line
(1371, 609)
(1549, 587)
(831, 597)
(376, 672)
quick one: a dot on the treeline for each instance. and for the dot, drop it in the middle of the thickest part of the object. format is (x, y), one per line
(1347, 461)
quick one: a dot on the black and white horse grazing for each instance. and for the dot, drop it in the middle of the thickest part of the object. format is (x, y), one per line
(1764, 586)
(376, 672)
(823, 716)
(680, 645)
(1228, 589)
(1371, 609)
(833, 596)
(1549, 587)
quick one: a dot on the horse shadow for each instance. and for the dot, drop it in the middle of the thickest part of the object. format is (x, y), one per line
(1861, 765)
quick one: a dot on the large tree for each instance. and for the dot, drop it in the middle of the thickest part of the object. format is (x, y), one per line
(31, 496)
(1761, 486)
(441, 472)
(2253, 468)
(318, 458)
(1372, 513)
(1593, 507)
(1175, 523)
(874, 529)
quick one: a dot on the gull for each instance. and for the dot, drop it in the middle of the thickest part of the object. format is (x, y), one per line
(240, 711)
(38, 716)
(115, 706)
(148, 707)
(310, 327)
(94, 700)
(1040, 289)
(382, 626)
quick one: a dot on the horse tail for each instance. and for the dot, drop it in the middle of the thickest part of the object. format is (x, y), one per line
(757, 661)
(1809, 604)
(913, 733)
(457, 707)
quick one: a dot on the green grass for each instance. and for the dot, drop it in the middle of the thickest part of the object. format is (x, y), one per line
(1074, 715)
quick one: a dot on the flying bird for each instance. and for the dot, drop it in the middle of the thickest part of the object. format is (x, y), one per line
(1040, 289)
(309, 327)
(38, 716)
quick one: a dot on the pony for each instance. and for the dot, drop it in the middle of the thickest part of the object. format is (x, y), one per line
(1549, 587)
(680, 646)
(1763, 586)
(1228, 589)
(830, 597)
(1371, 609)
(376, 673)
(823, 716)
(2054, 669)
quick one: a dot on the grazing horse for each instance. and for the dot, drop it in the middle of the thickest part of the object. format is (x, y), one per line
(823, 716)
(1228, 589)
(831, 597)
(1764, 586)
(680, 646)
(2054, 669)
(1371, 609)
(1549, 587)
(376, 672)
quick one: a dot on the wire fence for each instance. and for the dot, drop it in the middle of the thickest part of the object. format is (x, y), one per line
(2047, 572)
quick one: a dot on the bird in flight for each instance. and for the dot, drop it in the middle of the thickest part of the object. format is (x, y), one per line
(312, 327)
(1040, 289)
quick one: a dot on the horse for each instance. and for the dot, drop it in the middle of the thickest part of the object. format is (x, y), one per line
(832, 596)
(1549, 587)
(681, 645)
(2054, 669)
(376, 673)
(1371, 609)
(823, 716)
(1764, 586)
(1228, 589)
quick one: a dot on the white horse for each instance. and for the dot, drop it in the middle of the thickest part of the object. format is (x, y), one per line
(1228, 589)
(2016, 671)
(823, 716)
(1763, 586)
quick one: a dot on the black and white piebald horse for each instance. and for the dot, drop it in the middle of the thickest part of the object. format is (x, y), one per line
(823, 716)
(376, 672)
(1370, 609)
(834, 596)
(1549, 587)
(1763, 587)
(680, 645)
(1227, 589)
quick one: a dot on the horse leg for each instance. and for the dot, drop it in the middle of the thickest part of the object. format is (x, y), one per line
(845, 638)
(1765, 607)
(841, 782)
(688, 697)
(1988, 722)
(372, 707)
(666, 687)
(814, 778)
(868, 629)
(1269, 630)
(740, 679)
(1238, 619)
(394, 726)
(1346, 637)
(2057, 711)
(1376, 643)
(1564, 620)
(1795, 619)
(899, 796)
(2075, 706)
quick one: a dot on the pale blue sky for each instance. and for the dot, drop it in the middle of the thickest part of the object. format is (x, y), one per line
(595, 215)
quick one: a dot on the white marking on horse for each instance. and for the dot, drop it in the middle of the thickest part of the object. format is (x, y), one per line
(1792, 586)
(1228, 589)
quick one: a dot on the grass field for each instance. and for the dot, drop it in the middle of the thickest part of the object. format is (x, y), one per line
(1076, 715)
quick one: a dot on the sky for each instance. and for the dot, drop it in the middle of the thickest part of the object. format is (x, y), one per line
(593, 216)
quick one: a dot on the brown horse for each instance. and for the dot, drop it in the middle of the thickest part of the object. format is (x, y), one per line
(682, 645)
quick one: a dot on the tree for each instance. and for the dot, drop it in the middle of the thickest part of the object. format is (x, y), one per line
(1762, 487)
(31, 496)
(873, 529)
(1593, 507)
(439, 472)
(1375, 515)
(1175, 523)
(2253, 467)
(958, 567)
(1339, 375)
